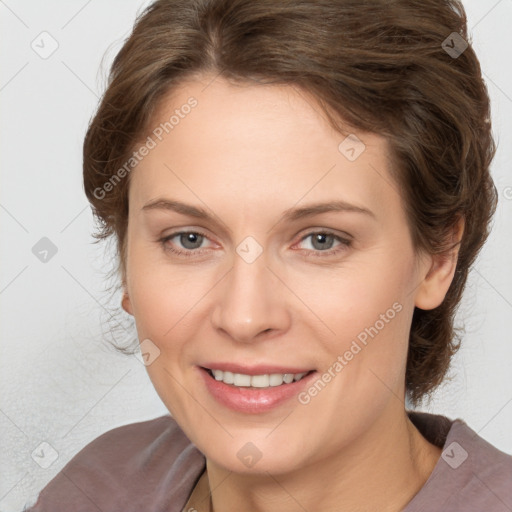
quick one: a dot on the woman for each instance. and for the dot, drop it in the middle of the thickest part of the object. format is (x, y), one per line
(298, 191)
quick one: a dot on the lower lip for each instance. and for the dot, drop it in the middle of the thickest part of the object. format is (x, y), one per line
(253, 400)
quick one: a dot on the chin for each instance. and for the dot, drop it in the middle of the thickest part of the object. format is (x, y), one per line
(248, 455)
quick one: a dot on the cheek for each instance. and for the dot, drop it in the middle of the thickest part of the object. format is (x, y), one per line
(163, 295)
(368, 311)
(342, 300)
(360, 297)
(166, 301)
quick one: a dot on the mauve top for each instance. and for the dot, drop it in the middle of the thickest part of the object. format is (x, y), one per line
(151, 466)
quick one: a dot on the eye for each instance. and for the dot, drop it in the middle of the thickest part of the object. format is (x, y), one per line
(322, 242)
(190, 240)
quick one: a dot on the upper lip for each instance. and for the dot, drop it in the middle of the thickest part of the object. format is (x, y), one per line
(260, 369)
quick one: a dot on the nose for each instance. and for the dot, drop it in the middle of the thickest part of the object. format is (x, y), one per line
(252, 303)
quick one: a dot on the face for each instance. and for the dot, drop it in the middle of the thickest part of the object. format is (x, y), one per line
(265, 285)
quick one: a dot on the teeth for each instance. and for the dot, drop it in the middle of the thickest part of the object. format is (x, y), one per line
(228, 377)
(276, 379)
(256, 381)
(260, 381)
(241, 380)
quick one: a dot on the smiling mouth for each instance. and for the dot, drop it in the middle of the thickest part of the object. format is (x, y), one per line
(255, 381)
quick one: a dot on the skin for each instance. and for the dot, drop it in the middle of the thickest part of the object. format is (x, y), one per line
(247, 154)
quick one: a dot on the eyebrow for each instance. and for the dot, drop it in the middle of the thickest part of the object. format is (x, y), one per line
(289, 215)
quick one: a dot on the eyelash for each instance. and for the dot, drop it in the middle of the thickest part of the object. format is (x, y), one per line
(345, 244)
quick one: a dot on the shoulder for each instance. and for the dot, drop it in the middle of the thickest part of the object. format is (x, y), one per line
(485, 471)
(471, 474)
(149, 465)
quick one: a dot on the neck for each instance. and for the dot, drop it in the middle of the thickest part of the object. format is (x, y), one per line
(382, 470)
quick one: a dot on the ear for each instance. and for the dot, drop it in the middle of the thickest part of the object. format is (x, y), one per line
(126, 303)
(439, 270)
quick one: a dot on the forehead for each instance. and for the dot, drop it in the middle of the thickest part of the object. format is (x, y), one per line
(258, 145)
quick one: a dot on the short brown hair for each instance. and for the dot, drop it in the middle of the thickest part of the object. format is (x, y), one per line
(380, 66)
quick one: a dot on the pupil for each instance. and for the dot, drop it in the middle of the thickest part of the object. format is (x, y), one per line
(321, 238)
(190, 238)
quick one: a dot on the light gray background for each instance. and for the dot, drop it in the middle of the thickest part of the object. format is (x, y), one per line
(61, 382)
